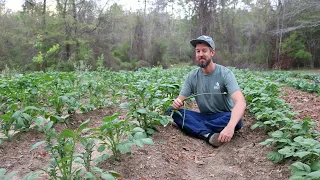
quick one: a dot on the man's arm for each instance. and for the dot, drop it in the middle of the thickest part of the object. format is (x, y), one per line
(237, 112)
(177, 103)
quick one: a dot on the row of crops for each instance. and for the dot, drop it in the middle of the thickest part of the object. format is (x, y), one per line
(40, 100)
(304, 82)
(294, 140)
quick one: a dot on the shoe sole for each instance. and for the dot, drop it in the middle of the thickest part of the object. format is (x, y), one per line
(214, 140)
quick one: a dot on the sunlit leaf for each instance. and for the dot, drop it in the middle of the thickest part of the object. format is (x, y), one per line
(107, 176)
(67, 133)
(36, 145)
(315, 174)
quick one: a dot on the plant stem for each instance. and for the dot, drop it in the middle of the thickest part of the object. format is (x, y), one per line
(195, 95)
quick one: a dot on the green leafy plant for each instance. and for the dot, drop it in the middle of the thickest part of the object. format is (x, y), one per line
(306, 149)
(100, 66)
(59, 102)
(7, 176)
(42, 56)
(304, 171)
(113, 134)
(25, 117)
(62, 149)
(293, 139)
(144, 105)
(7, 121)
(294, 47)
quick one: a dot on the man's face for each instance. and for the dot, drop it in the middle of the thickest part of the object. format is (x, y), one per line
(203, 55)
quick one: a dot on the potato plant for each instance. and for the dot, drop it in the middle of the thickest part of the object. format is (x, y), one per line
(145, 96)
(119, 136)
(62, 149)
(292, 139)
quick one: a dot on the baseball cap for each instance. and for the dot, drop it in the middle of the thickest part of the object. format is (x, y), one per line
(203, 39)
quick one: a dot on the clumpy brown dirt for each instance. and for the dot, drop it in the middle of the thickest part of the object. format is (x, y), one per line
(177, 156)
(173, 156)
(306, 104)
(16, 155)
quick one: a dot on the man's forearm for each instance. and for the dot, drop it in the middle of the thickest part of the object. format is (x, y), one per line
(237, 113)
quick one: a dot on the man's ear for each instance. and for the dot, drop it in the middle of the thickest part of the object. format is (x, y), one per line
(213, 52)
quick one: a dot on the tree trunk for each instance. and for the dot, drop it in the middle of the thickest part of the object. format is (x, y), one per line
(74, 26)
(282, 26)
(44, 14)
(67, 31)
(138, 43)
(278, 38)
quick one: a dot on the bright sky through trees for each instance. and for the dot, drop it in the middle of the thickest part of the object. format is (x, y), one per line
(15, 5)
(130, 5)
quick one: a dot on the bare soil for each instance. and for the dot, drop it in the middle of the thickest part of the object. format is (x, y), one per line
(306, 104)
(174, 155)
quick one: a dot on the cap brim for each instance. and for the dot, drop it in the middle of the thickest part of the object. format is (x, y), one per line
(194, 42)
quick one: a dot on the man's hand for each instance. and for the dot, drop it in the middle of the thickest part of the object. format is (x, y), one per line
(226, 134)
(177, 104)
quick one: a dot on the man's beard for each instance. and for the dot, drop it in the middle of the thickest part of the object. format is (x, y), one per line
(204, 64)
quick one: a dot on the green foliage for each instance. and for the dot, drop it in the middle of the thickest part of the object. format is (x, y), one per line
(300, 84)
(43, 55)
(38, 59)
(304, 171)
(7, 121)
(64, 66)
(81, 66)
(242, 34)
(293, 139)
(144, 99)
(84, 52)
(122, 52)
(99, 64)
(52, 50)
(25, 117)
(32, 175)
(113, 132)
(157, 53)
(62, 149)
(294, 46)
(146, 94)
(132, 65)
(8, 72)
(7, 176)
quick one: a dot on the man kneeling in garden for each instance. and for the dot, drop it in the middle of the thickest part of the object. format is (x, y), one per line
(218, 96)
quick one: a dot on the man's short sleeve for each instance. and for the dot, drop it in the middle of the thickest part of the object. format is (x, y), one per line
(186, 87)
(231, 83)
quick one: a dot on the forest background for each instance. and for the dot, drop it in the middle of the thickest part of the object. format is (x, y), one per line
(75, 34)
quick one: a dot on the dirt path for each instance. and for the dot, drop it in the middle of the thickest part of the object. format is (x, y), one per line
(306, 104)
(15, 154)
(177, 156)
(174, 155)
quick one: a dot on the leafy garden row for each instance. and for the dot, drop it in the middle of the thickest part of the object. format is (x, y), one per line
(145, 94)
(294, 140)
(300, 84)
(42, 98)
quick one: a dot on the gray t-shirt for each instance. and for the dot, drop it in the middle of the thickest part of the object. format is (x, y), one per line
(220, 80)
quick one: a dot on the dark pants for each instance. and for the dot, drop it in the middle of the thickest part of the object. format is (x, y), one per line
(198, 124)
